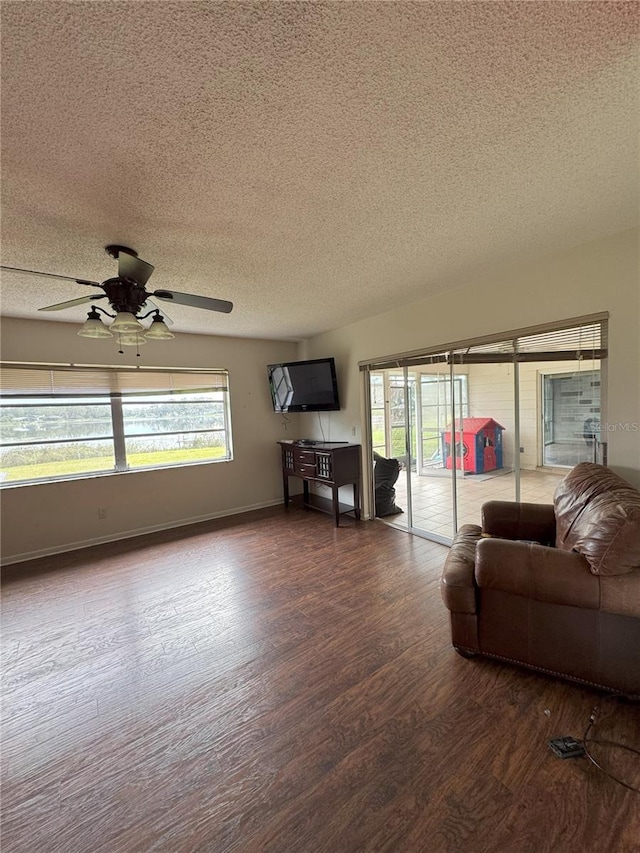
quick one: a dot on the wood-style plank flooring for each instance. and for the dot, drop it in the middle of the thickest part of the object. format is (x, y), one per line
(271, 683)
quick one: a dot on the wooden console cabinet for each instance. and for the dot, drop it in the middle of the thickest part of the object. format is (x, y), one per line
(333, 465)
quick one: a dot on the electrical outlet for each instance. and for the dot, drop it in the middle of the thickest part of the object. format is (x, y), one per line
(102, 512)
(353, 430)
(522, 450)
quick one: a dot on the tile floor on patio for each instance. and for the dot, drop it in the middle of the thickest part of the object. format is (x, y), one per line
(432, 501)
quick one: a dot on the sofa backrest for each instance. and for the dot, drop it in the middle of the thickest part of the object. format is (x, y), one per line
(598, 515)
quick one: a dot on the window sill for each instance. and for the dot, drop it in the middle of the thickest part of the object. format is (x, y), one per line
(94, 475)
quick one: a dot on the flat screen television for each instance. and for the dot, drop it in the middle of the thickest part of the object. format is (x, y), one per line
(304, 386)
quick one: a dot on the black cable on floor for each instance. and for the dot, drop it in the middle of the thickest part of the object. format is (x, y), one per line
(587, 740)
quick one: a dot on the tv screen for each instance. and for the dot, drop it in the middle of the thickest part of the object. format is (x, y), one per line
(304, 386)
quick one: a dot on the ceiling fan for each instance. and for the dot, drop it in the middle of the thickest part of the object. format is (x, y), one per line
(127, 291)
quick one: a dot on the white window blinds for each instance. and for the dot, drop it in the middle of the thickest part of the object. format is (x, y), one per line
(573, 341)
(55, 380)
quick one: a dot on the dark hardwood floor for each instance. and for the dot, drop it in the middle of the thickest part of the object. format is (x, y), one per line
(271, 683)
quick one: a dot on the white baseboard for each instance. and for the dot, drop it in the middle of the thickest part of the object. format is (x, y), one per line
(130, 534)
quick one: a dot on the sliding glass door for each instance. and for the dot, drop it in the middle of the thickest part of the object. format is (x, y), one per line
(429, 485)
(488, 421)
(410, 409)
(486, 432)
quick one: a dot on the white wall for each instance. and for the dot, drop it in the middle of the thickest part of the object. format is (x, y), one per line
(58, 516)
(491, 395)
(599, 276)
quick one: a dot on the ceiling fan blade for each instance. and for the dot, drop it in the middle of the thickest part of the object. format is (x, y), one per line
(133, 268)
(60, 306)
(195, 301)
(52, 275)
(165, 316)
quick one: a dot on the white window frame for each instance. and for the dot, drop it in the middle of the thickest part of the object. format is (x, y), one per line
(25, 384)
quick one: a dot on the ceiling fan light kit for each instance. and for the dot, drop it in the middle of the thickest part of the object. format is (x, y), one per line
(131, 339)
(128, 296)
(93, 327)
(125, 321)
(158, 331)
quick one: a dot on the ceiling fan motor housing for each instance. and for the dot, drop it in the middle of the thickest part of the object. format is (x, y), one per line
(125, 295)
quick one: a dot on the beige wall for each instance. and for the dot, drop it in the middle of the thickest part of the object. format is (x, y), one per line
(599, 276)
(57, 516)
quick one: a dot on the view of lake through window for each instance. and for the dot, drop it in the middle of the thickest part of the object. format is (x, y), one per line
(55, 436)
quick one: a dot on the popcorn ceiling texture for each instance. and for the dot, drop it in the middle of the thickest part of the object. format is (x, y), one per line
(316, 163)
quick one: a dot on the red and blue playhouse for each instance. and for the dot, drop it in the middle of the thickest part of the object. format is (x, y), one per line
(478, 446)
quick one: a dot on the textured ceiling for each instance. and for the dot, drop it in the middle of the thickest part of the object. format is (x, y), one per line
(315, 163)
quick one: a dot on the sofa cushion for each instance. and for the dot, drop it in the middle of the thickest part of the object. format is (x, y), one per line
(536, 572)
(511, 520)
(598, 515)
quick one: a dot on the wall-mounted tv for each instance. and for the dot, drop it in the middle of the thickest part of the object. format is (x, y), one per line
(304, 386)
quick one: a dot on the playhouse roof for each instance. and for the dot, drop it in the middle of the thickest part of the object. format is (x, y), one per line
(474, 425)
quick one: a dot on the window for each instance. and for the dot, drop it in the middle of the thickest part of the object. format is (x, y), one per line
(59, 423)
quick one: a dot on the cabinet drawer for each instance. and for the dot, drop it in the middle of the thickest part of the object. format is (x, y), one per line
(305, 457)
(305, 470)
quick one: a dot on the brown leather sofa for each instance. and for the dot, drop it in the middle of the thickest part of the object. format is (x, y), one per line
(554, 587)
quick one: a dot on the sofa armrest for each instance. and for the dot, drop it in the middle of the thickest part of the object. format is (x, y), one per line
(511, 520)
(537, 572)
(458, 586)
